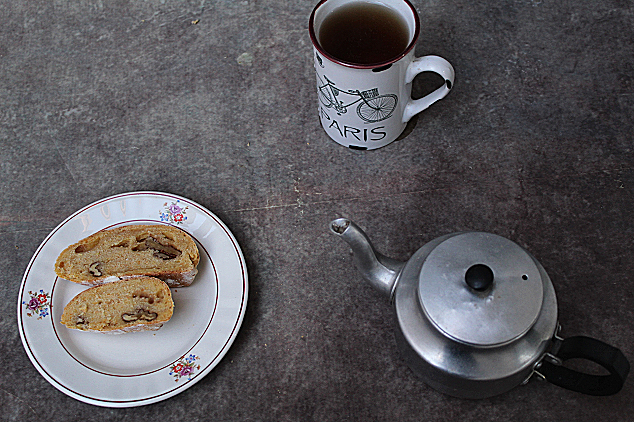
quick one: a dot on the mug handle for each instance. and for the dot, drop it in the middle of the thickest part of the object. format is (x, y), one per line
(428, 64)
(609, 357)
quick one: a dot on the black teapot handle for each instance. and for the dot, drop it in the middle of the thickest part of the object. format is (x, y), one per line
(609, 357)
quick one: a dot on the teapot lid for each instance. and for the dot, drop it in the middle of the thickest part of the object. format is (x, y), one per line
(480, 289)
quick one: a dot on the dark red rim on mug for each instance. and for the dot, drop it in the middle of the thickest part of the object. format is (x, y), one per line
(313, 38)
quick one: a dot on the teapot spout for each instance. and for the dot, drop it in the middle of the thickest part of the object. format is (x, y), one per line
(380, 271)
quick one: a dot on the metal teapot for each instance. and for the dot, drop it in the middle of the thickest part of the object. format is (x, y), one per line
(477, 315)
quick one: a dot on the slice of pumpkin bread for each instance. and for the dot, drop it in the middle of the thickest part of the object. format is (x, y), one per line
(160, 251)
(133, 304)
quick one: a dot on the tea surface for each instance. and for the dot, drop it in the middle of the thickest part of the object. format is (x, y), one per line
(364, 33)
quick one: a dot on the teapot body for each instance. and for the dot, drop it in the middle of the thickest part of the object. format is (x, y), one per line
(455, 368)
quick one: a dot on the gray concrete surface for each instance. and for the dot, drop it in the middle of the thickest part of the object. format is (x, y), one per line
(216, 101)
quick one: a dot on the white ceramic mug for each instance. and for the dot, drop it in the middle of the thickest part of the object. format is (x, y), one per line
(368, 106)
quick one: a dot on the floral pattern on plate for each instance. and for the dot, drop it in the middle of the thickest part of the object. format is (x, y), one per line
(174, 213)
(38, 305)
(184, 367)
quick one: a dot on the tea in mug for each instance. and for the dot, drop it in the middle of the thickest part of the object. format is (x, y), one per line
(364, 33)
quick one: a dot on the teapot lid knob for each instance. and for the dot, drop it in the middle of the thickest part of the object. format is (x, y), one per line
(479, 277)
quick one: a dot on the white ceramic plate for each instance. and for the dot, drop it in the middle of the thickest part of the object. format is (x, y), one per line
(140, 368)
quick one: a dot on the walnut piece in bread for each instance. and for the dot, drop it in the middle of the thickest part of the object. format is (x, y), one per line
(160, 251)
(133, 304)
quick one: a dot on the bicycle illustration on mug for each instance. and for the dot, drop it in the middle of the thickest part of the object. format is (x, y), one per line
(372, 108)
